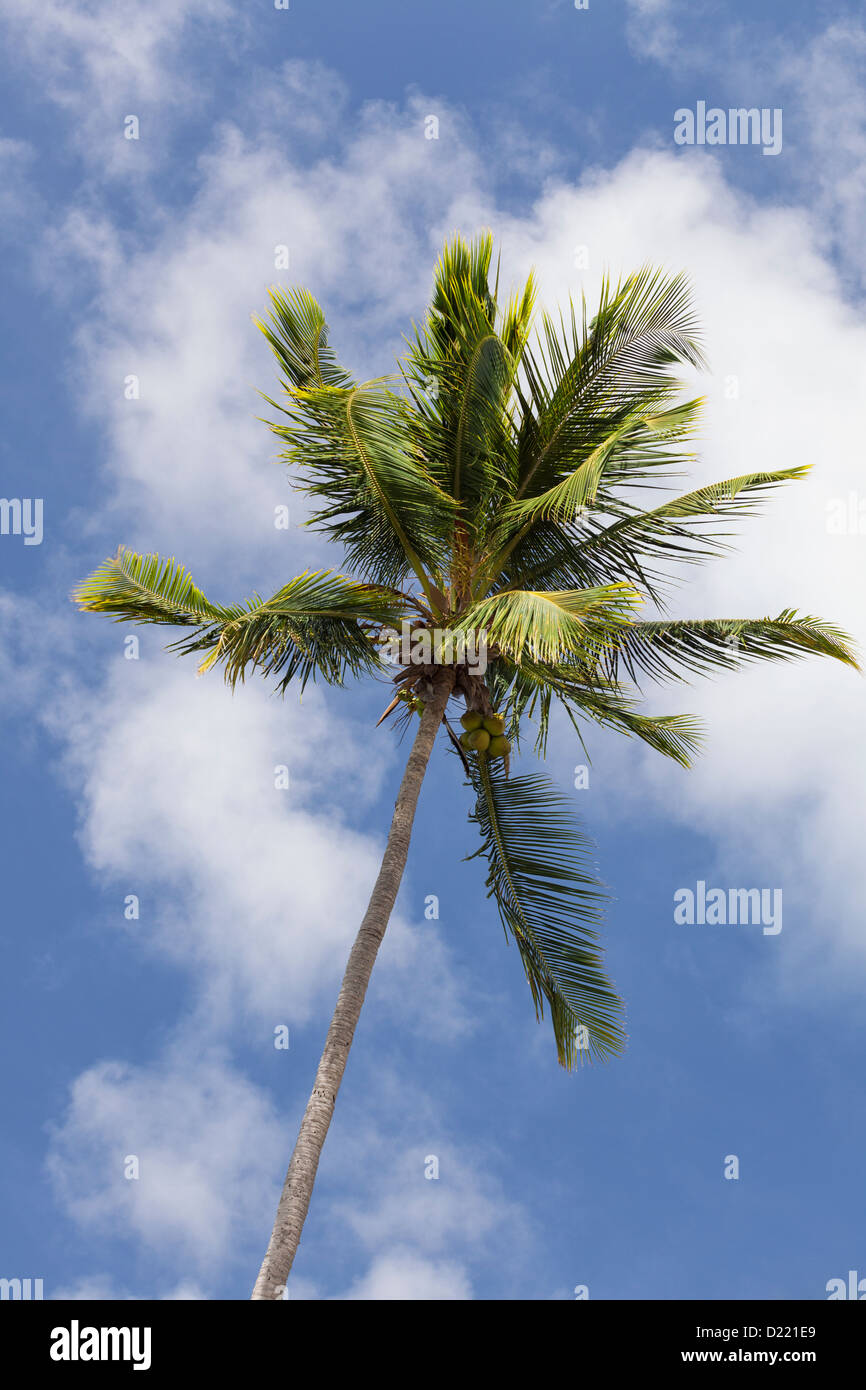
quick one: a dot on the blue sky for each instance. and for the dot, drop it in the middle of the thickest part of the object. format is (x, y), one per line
(154, 1037)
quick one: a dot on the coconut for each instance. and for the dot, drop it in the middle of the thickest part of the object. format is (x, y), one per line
(464, 741)
(499, 746)
(479, 739)
(471, 720)
(495, 725)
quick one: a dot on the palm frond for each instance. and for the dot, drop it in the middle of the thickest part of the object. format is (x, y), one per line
(585, 378)
(549, 900)
(145, 589)
(665, 650)
(531, 691)
(547, 626)
(460, 371)
(579, 485)
(354, 450)
(620, 541)
(318, 625)
(296, 329)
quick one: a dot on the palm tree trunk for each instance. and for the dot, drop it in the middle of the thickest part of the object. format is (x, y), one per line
(298, 1186)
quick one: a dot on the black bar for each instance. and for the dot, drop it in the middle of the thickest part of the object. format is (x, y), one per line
(198, 1336)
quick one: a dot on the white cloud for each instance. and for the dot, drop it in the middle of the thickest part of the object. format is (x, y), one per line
(192, 467)
(428, 1232)
(207, 1143)
(302, 97)
(817, 84)
(187, 1291)
(825, 79)
(261, 887)
(402, 1275)
(101, 61)
(256, 889)
(17, 198)
(210, 1149)
(651, 28)
(462, 1205)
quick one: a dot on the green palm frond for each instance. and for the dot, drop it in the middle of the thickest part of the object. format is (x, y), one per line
(549, 900)
(296, 329)
(584, 378)
(145, 589)
(547, 626)
(664, 650)
(460, 373)
(355, 451)
(532, 690)
(632, 544)
(665, 532)
(516, 319)
(579, 485)
(463, 434)
(319, 624)
(297, 649)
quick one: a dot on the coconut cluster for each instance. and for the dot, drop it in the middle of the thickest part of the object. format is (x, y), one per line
(484, 734)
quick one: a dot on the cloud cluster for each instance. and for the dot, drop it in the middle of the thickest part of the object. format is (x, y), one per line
(100, 62)
(169, 362)
(230, 818)
(180, 1156)
(745, 61)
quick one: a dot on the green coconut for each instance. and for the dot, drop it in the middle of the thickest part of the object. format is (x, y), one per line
(479, 740)
(499, 746)
(495, 725)
(471, 720)
(464, 741)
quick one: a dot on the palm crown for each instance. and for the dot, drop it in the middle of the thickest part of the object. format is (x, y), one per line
(498, 486)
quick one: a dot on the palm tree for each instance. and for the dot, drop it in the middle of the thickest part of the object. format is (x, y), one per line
(496, 490)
